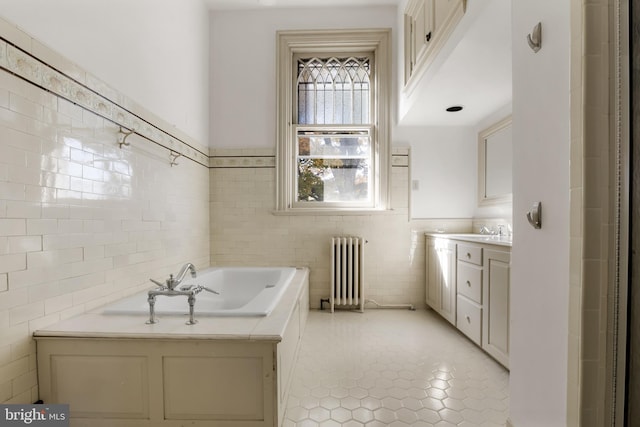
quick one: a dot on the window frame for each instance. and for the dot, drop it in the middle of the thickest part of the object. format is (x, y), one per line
(318, 42)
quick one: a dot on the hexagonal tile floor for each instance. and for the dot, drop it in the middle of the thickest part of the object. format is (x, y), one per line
(393, 368)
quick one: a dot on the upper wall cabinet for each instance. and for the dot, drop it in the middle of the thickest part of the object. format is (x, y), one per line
(427, 25)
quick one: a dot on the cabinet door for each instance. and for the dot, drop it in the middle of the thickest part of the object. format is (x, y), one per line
(444, 13)
(441, 277)
(423, 29)
(433, 274)
(418, 32)
(495, 337)
(427, 26)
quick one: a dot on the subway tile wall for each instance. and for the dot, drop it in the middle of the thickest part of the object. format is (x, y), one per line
(593, 194)
(246, 231)
(576, 234)
(82, 222)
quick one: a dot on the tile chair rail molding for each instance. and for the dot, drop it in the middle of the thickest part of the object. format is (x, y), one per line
(96, 97)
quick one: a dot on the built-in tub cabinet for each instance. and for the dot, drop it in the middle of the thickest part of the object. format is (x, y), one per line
(427, 25)
(117, 371)
(480, 273)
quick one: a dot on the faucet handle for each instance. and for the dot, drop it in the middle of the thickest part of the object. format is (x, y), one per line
(198, 288)
(158, 283)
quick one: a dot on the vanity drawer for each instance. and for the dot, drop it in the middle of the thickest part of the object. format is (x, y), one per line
(469, 281)
(468, 253)
(469, 319)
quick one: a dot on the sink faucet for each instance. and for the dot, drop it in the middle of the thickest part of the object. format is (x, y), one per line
(169, 288)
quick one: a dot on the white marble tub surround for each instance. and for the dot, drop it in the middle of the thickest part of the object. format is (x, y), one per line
(241, 291)
(222, 371)
(98, 324)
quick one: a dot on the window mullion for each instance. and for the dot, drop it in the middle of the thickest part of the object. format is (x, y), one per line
(315, 101)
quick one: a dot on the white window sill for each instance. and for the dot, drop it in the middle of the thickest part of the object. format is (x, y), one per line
(334, 212)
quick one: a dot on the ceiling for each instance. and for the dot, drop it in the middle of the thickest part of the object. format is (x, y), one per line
(472, 70)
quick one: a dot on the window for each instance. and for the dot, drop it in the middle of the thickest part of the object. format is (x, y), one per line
(333, 120)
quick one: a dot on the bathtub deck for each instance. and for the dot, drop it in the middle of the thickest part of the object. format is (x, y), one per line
(97, 325)
(116, 371)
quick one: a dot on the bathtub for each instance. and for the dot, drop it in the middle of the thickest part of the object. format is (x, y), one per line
(242, 291)
(225, 371)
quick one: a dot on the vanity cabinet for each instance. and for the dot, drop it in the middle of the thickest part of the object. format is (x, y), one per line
(427, 25)
(441, 277)
(478, 302)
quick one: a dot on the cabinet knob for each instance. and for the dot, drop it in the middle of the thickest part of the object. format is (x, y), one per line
(468, 319)
(468, 255)
(468, 283)
(428, 37)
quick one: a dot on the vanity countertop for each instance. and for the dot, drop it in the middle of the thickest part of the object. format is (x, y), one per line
(489, 239)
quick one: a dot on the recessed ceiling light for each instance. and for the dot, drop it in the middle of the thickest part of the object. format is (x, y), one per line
(454, 108)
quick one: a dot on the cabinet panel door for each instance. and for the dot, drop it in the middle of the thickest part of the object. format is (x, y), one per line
(447, 261)
(441, 277)
(423, 29)
(444, 10)
(433, 274)
(496, 296)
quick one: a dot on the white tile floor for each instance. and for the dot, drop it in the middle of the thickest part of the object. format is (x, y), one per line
(393, 368)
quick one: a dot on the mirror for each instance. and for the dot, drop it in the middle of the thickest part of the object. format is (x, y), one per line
(494, 163)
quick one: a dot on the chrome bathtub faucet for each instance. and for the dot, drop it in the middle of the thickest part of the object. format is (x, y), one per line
(169, 289)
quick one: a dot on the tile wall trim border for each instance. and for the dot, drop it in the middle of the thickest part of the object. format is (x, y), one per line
(220, 162)
(24, 64)
(246, 158)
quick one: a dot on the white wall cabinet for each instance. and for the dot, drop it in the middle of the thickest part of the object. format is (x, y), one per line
(418, 27)
(441, 277)
(468, 283)
(427, 25)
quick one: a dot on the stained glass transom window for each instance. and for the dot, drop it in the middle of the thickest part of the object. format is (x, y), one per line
(334, 90)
